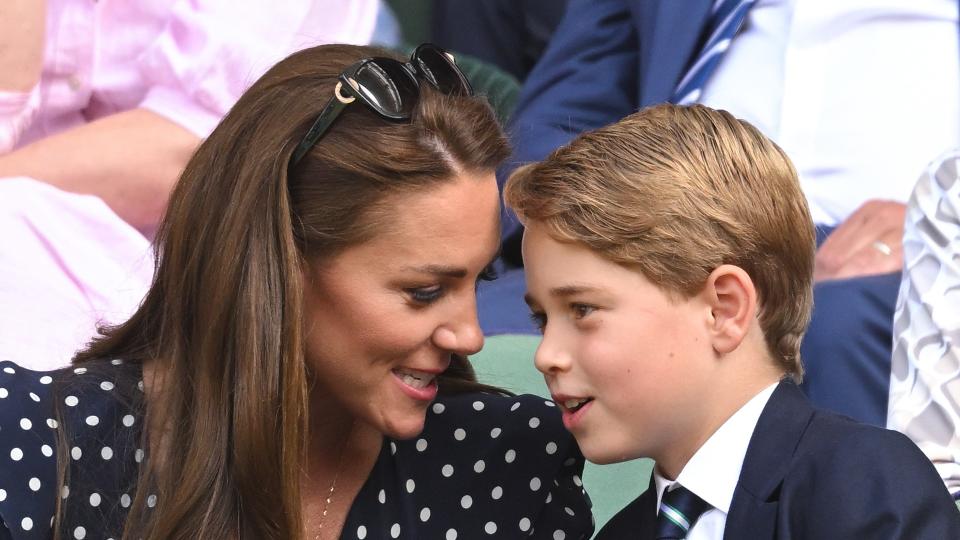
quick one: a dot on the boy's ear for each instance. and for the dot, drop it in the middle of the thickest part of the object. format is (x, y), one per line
(732, 299)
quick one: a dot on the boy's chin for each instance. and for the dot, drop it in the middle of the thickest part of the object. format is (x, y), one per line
(595, 452)
(607, 460)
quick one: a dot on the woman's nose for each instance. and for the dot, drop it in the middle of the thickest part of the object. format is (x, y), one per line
(461, 335)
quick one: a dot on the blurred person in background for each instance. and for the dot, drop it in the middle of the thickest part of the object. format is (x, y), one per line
(510, 34)
(101, 105)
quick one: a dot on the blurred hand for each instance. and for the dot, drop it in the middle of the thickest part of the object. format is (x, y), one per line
(130, 159)
(869, 242)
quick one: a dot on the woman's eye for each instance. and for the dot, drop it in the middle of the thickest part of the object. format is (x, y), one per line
(539, 320)
(582, 310)
(425, 295)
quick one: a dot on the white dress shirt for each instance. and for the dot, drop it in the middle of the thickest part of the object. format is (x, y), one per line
(714, 470)
(861, 94)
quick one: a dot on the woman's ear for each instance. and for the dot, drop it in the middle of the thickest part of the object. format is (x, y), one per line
(732, 299)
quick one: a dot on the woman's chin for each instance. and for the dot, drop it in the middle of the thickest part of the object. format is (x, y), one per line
(404, 427)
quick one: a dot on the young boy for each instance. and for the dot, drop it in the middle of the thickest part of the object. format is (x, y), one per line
(669, 260)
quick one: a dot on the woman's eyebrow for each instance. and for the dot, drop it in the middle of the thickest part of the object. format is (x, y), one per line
(457, 272)
(438, 270)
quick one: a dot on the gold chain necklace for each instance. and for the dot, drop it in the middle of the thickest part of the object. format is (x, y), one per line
(333, 485)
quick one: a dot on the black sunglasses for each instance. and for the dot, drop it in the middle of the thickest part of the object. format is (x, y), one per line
(388, 87)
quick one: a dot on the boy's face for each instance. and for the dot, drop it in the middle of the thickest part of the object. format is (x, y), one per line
(629, 366)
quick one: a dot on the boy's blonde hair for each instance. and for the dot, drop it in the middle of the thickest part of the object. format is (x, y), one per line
(675, 192)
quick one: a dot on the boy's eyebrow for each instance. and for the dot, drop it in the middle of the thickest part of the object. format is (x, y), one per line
(563, 291)
(571, 290)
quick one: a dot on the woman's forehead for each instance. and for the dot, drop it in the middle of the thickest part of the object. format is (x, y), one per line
(457, 221)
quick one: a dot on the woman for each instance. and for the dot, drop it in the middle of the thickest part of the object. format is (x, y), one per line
(314, 292)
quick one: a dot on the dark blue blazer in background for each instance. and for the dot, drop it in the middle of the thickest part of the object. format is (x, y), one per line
(813, 475)
(607, 59)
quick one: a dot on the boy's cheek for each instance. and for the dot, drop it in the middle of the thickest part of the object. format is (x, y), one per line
(609, 436)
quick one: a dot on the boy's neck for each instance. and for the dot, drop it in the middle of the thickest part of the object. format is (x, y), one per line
(736, 384)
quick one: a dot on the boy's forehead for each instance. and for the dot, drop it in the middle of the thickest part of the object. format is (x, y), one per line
(539, 240)
(560, 268)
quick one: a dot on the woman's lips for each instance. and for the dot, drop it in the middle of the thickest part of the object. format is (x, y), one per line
(419, 385)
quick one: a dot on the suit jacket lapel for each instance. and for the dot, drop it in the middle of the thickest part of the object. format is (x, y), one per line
(669, 33)
(647, 504)
(637, 520)
(753, 511)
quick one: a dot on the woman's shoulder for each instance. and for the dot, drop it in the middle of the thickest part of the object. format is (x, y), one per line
(78, 414)
(24, 399)
(522, 423)
(30, 399)
(28, 467)
(482, 430)
(496, 463)
(487, 408)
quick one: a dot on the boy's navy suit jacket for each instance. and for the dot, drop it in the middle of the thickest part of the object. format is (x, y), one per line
(814, 475)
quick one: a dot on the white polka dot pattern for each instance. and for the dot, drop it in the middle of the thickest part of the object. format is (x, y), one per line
(87, 399)
(485, 466)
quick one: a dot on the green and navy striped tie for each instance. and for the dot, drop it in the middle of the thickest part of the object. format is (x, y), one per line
(679, 510)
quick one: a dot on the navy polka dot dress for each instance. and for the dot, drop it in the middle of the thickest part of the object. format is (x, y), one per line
(485, 466)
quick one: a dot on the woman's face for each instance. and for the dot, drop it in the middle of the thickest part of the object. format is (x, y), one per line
(384, 317)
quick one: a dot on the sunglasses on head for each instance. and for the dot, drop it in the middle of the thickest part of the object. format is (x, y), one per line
(387, 87)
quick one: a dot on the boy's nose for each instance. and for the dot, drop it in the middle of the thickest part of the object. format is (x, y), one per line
(550, 356)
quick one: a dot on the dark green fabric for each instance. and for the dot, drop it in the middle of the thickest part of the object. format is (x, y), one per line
(500, 88)
(414, 18)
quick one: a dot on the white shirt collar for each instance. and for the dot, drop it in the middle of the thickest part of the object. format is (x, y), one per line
(714, 470)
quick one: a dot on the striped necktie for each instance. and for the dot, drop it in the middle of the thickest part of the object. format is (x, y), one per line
(679, 510)
(725, 20)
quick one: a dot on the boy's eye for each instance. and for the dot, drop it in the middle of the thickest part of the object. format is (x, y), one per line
(539, 320)
(425, 295)
(582, 310)
(488, 274)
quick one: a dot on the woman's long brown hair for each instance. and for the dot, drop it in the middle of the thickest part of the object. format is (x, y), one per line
(222, 322)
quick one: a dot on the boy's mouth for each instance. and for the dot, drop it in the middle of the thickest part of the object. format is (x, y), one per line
(574, 404)
(573, 409)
